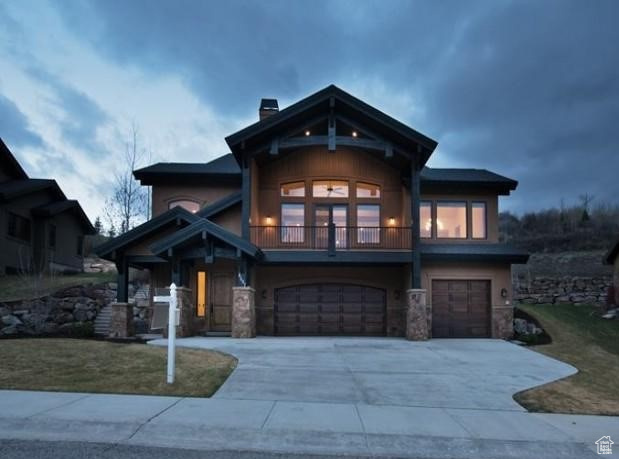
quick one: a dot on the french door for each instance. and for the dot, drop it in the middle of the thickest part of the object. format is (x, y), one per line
(324, 216)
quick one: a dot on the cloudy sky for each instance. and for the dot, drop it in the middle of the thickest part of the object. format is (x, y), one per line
(529, 89)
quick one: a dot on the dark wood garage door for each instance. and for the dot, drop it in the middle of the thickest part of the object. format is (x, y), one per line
(330, 309)
(460, 309)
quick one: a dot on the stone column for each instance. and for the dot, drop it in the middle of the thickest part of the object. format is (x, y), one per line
(121, 325)
(502, 322)
(243, 312)
(416, 315)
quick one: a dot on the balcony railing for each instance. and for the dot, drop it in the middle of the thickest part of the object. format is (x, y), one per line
(331, 237)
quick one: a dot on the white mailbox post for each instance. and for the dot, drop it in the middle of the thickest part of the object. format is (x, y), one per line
(173, 320)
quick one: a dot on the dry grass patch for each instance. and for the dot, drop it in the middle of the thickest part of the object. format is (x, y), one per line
(98, 366)
(588, 342)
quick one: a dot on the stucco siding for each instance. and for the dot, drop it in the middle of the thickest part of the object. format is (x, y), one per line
(203, 194)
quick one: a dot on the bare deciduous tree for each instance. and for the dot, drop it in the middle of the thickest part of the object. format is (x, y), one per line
(128, 202)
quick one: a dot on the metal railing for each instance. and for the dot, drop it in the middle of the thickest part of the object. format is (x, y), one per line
(331, 237)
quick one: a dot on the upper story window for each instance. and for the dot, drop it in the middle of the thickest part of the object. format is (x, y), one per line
(451, 219)
(187, 204)
(19, 227)
(368, 190)
(425, 219)
(479, 223)
(330, 189)
(293, 221)
(294, 189)
(368, 221)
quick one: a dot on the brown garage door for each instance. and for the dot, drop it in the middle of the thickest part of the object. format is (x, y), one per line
(330, 309)
(460, 308)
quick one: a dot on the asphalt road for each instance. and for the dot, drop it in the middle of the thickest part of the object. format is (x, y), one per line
(19, 449)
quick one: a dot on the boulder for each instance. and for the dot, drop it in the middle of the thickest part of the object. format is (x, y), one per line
(10, 320)
(520, 326)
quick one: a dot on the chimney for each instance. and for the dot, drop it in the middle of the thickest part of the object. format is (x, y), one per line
(268, 107)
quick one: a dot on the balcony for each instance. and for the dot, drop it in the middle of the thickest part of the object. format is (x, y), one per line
(332, 238)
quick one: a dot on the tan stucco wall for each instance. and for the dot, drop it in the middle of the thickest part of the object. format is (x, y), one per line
(204, 194)
(230, 219)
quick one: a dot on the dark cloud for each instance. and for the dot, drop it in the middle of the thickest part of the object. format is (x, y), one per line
(14, 127)
(83, 114)
(527, 88)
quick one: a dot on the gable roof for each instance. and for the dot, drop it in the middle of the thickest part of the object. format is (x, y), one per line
(141, 231)
(612, 254)
(223, 168)
(10, 163)
(57, 207)
(16, 188)
(197, 228)
(320, 101)
(220, 205)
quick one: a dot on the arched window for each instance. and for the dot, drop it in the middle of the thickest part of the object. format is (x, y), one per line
(187, 204)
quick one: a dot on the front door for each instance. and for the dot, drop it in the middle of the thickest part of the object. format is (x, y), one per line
(324, 214)
(220, 291)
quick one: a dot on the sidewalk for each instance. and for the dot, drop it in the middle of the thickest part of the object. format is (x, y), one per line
(298, 427)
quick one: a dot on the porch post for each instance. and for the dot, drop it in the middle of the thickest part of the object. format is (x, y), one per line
(122, 280)
(415, 224)
(245, 200)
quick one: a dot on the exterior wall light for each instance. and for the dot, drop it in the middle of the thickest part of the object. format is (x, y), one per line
(503, 293)
(392, 221)
(307, 133)
(354, 133)
(269, 220)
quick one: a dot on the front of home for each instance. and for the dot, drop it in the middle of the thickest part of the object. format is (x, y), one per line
(312, 210)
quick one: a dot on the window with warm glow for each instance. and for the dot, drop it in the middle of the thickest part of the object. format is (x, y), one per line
(293, 221)
(330, 189)
(425, 219)
(367, 190)
(368, 222)
(191, 206)
(201, 289)
(451, 220)
(478, 214)
(295, 189)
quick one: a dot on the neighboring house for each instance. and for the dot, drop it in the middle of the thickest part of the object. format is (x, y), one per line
(313, 210)
(612, 258)
(40, 229)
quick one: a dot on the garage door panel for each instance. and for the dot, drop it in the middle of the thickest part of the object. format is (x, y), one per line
(330, 309)
(460, 308)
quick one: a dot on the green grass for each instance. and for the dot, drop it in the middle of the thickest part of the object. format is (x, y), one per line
(583, 339)
(18, 287)
(103, 367)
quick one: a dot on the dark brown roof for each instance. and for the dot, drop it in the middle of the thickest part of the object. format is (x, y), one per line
(10, 163)
(68, 205)
(15, 188)
(224, 168)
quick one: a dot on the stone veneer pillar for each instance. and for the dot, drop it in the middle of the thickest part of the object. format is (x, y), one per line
(243, 312)
(121, 325)
(416, 315)
(503, 322)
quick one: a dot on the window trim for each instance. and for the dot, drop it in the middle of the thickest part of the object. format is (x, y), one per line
(341, 198)
(485, 204)
(172, 200)
(281, 221)
(466, 218)
(379, 226)
(432, 218)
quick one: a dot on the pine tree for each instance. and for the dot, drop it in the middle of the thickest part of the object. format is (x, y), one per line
(98, 226)
(112, 231)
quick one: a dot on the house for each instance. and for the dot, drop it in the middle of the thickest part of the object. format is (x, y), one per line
(612, 258)
(40, 228)
(312, 210)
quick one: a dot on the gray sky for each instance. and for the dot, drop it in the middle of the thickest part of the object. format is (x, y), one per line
(528, 89)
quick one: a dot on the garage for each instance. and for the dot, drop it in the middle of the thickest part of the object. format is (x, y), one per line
(330, 309)
(461, 308)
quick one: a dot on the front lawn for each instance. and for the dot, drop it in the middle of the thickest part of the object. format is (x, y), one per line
(98, 366)
(591, 344)
(27, 287)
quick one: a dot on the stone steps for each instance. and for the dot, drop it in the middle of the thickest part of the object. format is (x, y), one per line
(103, 321)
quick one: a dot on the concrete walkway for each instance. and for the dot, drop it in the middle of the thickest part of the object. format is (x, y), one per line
(367, 417)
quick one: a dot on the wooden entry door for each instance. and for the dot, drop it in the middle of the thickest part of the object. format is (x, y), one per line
(221, 300)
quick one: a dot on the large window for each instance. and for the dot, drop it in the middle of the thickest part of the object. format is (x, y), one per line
(368, 190)
(19, 227)
(330, 189)
(187, 204)
(368, 222)
(451, 220)
(479, 225)
(293, 221)
(425, 219)
(294, 189)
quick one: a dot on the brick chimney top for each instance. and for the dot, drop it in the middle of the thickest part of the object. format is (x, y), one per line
(268, 107)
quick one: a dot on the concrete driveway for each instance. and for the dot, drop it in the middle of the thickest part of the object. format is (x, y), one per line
(450, 373)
